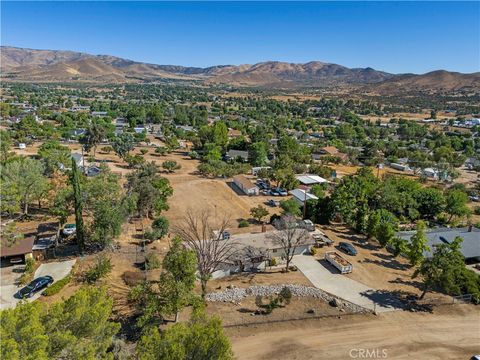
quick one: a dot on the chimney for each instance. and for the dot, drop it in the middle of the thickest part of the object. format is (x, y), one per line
(264, 228)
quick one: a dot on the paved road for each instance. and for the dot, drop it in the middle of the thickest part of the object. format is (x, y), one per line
(326, 277)
(57, 270)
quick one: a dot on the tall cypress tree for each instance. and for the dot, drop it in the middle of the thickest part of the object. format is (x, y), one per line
(77, 194)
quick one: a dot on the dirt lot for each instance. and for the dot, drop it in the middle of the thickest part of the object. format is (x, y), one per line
(451, 332)
(298, 308)
(373, 266)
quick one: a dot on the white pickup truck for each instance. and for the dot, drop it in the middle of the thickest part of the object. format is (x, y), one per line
(339, 262)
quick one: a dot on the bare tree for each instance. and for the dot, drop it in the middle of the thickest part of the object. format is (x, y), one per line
(208, 242)
(289, 237)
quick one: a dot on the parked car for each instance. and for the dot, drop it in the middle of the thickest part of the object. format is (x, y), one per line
(282, 192)
(266, 192)
(475, 198)
(307, 225)
(34, 286)
(273, 203)
(347, 248)
(274, 192)
(69, 229)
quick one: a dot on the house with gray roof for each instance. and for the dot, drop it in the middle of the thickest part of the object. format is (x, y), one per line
(470, 247)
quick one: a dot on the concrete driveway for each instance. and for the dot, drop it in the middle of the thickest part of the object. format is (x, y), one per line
(8, 287)
(326, 277)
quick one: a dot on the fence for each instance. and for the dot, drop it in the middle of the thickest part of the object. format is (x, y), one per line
(463, 299)
(264, 319)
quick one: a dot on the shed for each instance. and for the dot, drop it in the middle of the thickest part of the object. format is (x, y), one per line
(301, 195)
(245, 185)
(308, 179)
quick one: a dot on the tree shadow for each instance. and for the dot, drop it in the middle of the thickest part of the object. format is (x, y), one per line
(412, 283)
(246, 311)
(393, 299)
(388, 263)
(235, 188)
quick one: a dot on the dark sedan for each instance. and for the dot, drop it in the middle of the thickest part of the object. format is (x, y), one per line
(35, 286)
(347, 248)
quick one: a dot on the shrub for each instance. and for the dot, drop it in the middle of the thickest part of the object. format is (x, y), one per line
(313, 251)
(29, 265)
(171, 165)
(193, 155)
(161, 150)
(159, 229)
(57, 286)
(29, 271)
(152, 261)
(273, 262)
(102, 267)
(285, 295)
(143, 151)
(243, 223)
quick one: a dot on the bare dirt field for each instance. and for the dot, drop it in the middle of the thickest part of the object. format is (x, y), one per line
(241, 314)
(374, 266)
(450, 332)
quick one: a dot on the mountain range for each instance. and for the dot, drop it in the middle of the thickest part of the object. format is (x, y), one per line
(29, 65)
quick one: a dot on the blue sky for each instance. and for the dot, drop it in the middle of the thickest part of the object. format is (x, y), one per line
(391, 36)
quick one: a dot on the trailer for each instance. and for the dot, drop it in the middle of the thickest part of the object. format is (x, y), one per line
(339, 262)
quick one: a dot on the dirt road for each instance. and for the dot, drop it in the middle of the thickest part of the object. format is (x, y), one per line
(452, 332)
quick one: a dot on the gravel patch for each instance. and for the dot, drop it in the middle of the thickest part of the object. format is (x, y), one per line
(236, 294)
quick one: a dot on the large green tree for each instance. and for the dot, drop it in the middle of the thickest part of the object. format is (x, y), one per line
(202, 338)
(78, 206)
(177, 280)
(456, 203)
(22, 181)
(418, 245)
(151, 190)
(76, 328)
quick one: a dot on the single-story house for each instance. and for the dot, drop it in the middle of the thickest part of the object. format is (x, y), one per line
(301, 195)
(253, 252)
(77, 132)
(92, 171)
(237, 154)
(186, 128)
(431, 173)
(470, 246)
(329, 151)
(140, 129)
(245, 185)
(310, 180)
(20, 250)
(232, 133)
(256, 169)
(99, 113)
(78, 158)
(401, 167)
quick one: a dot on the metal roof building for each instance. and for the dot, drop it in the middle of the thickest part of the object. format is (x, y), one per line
(470, 246)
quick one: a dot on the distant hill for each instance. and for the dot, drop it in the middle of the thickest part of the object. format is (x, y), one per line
(29, 65)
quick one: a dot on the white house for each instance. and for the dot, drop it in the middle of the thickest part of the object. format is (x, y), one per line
(431, 173)
(301, 195)
(309, 180)
(245, 185)
(253, 252)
